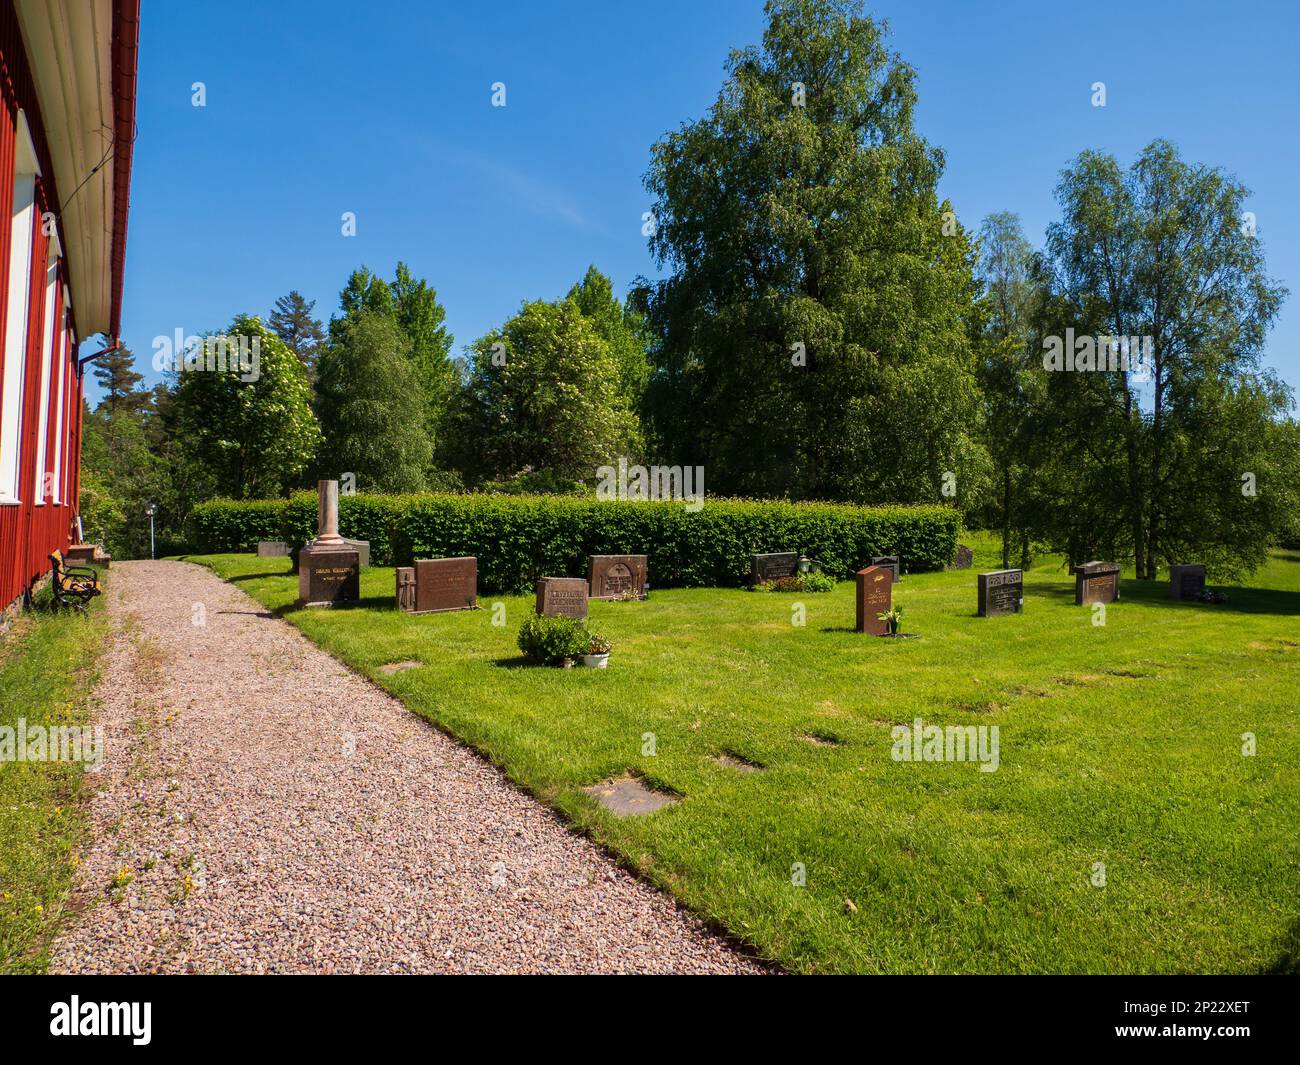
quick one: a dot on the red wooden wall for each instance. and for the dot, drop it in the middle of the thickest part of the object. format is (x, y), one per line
(28, 532)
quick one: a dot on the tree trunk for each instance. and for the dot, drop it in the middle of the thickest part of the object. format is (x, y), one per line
(1006, 518)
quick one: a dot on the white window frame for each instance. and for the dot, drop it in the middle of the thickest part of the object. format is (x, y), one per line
(47, 361)
(62, 362)
(23, 223)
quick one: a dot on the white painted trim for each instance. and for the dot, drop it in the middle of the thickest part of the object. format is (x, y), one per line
(43, 397)
(16, 320)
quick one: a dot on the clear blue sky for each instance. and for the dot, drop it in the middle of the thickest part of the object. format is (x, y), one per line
(384, 109)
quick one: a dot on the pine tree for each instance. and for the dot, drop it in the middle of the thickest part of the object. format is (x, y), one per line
(122, 394)
(292, 321)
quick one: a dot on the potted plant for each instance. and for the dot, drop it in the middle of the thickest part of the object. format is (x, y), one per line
(553, 641)
(598, 648)
(892, 617)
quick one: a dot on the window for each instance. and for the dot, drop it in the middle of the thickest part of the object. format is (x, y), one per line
(61, 365)
(15, 336)
(43, 489)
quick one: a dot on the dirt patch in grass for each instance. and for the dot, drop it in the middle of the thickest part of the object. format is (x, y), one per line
(736, 762)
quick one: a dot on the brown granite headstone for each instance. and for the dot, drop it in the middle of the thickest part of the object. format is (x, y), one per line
(1096, 582)
(773, 566)
(1186, 581)
(406, 589)
(874, 596)
(562, 595)
(618, 576)
(890, 562)
(1001, 592)
(446, 584)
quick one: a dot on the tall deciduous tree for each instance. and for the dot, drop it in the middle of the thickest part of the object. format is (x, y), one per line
(814, 337)
(253, 429)
(542, 395)
(371, 409)
(1163, 252)
(621, 326)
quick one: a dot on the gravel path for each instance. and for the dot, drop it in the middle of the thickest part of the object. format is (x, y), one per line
(263, 809)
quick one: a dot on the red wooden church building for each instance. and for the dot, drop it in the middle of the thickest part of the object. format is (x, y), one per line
(68, 80)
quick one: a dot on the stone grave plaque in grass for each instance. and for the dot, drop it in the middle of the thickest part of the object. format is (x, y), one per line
(890, 562)
(1186, 581)
(773, 566)
(272, 549)
(443, 584)
(1001, 592)
(875, 595)
(562, 595)
(618, 576)
(1096, 582)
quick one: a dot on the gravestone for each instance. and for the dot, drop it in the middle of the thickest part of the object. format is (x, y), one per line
(1001, 592)
(890, 562)
(443, 584)
(406, 589)
(874, 596)
(329, 571)
(963, 559)
(618, 576)
(272, 549)
(773, 566)
(1096, 582)
(562, 595)
(362, 548)
(1186, 581)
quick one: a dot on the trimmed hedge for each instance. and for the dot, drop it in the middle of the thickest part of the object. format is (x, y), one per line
(517, 539)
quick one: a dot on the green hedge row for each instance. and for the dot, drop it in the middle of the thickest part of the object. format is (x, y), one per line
(520, 538)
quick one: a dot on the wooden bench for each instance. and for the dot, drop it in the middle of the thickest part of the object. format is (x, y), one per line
(73, 585)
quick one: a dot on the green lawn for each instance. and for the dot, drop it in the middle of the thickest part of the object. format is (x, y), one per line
(46, 674)
(1119, 745)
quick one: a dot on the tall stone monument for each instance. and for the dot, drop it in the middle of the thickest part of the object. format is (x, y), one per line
(329, 568)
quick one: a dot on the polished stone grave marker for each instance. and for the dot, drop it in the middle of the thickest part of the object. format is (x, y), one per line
(443, 584)
(1001, 592)
(406, 589)
(618, 576)
(890, 562)
(329, 570)
(875, 595)
(1096, 582)
(774, 565)
(272, 549)
(1186, 581)
(562, 595)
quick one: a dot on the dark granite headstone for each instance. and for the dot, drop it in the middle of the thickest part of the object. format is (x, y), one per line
(890, 562)
(963, 559)
(406, 589)
(618, 576)
(446, 584)
(328, 575)
(874, 596)
(1096, 582)
(562, 595)
(1001, 592)
(774, 565)
(272, 549)
(1186, 581)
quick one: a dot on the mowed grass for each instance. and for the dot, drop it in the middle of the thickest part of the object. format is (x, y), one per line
(1120, 744)
(47, 670)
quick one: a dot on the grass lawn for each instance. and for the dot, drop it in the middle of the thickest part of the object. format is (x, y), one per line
(46, 674)
(1119, 744)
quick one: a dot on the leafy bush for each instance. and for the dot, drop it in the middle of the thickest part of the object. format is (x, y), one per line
(551, 640)
(518, 539)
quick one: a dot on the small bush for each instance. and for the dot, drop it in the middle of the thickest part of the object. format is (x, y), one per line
(801, 582)
(550, 640)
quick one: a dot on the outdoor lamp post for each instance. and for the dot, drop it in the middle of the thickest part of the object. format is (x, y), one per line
(151, 510)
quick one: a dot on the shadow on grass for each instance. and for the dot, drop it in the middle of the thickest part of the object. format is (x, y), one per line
(1287, 962)
(1156, 593)
(235, 578)
(517, 662)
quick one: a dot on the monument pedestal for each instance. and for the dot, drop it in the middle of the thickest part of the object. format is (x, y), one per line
(328, 574)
